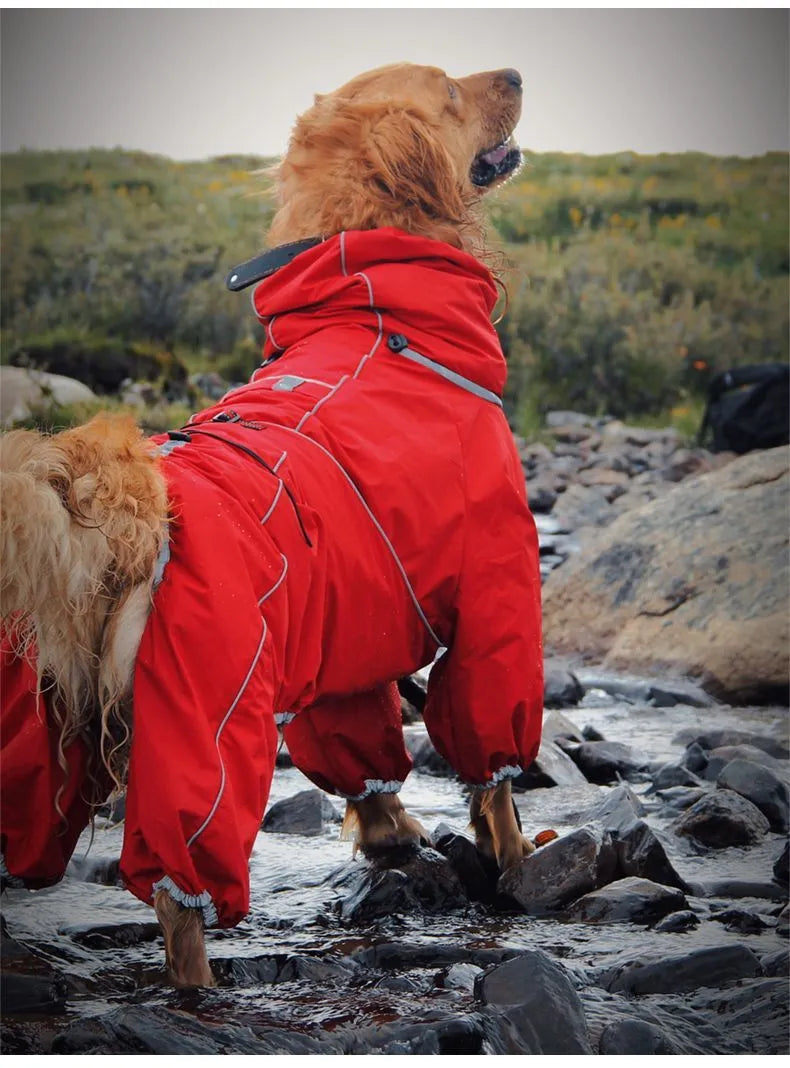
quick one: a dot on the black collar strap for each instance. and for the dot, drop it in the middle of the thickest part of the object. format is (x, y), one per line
(255, 270)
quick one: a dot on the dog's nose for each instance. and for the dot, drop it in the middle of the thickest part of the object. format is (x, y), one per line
(513, 79)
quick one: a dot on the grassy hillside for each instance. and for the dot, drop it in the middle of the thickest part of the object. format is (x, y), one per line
(633, 277)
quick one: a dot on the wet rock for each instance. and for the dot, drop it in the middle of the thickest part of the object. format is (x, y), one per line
(716, 966)
(760, 786)
(604, 762)
(561, 871)
(114, 810)
(726, 736)
(541, 494)
(781, 868)
(742, 920)
(419, 880)
(638, 850)
(582, 506)
(666, 587)
(681, 797)
(671, 774)
(414, 689)
(629, 900)
(32, 994)
(783, 922)
(722, 819)
(551, 767)
(636, 1037)
(142, 1029)
(619, 810)
(461, 977)
(695, 758)
(591, 734)
(112, 935)
(306, 813)
(424, 755)
(737, 888)
(477, 876)
(562, 688)
(538, 999)
(402, 956)
(685, 920)
(724, 754)
(776, 964)
(106, 871)
(556, 725)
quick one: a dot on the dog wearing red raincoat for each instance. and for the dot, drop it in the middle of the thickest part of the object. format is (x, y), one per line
(356, 511)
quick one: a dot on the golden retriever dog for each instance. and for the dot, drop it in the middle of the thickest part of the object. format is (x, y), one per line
(85, 511)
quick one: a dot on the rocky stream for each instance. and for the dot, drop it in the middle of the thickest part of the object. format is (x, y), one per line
(656, 923)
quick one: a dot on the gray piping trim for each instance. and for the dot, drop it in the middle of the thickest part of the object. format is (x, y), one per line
(12, 880)
(509, 771)
(270, 331)
(258, 316)
(279, 581)
(343, 253)
(190, 901)
(273, 505)
(375, 786)
(282, 719)
(163, 558)
(376, 524)
(276, 467)
(452, 376)
(323, 400)
(220, 729)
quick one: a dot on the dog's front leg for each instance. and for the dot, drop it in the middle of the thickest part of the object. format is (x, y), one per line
(185, 943)
(494, 819)
(380, 822)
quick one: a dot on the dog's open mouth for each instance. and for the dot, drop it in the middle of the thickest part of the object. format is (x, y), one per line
(495, 163)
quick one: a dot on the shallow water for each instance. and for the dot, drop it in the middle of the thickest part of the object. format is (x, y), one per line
(293, 908)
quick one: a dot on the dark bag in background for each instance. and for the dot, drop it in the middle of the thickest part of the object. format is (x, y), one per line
(748, 408)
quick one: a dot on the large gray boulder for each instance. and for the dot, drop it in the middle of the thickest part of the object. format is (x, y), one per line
(24, 392)
(695, 583)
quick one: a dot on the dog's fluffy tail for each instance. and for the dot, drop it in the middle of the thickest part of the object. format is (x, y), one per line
(82, 517)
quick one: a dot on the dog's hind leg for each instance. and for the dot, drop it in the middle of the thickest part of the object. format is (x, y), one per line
(353, 746)
(495, 821)
(185, 943)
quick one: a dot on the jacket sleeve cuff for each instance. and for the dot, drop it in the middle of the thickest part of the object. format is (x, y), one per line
(509, 771)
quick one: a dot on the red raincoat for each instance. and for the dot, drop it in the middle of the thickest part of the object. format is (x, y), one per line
(356, 508)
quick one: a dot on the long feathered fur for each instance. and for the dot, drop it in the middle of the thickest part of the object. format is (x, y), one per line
(82, 518)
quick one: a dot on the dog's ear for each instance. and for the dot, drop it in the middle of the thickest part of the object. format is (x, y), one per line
(407, 164)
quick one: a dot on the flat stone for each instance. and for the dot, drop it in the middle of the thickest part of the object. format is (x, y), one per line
(723, 754)
(461, 976)
(636, 1037)
(715, 966)
(112, 935)
(605, 762)
(735, 919)
(538, 999)
(106, 871)
(760, 786)
(561, 871)
(619, 810)
(306, 814)
(722, 819)
(738, 888)
(629, 900)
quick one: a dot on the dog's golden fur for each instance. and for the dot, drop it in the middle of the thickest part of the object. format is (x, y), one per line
(84, 511)
(394, 147)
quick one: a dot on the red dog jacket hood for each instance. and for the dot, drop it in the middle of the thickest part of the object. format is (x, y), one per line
(390, 524)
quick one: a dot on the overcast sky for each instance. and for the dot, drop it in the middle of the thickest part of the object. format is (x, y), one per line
(196, 83)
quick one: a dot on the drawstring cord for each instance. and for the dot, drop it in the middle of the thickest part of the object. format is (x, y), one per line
(186, 435)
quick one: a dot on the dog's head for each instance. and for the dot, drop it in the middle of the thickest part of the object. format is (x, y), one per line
(403, 146)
